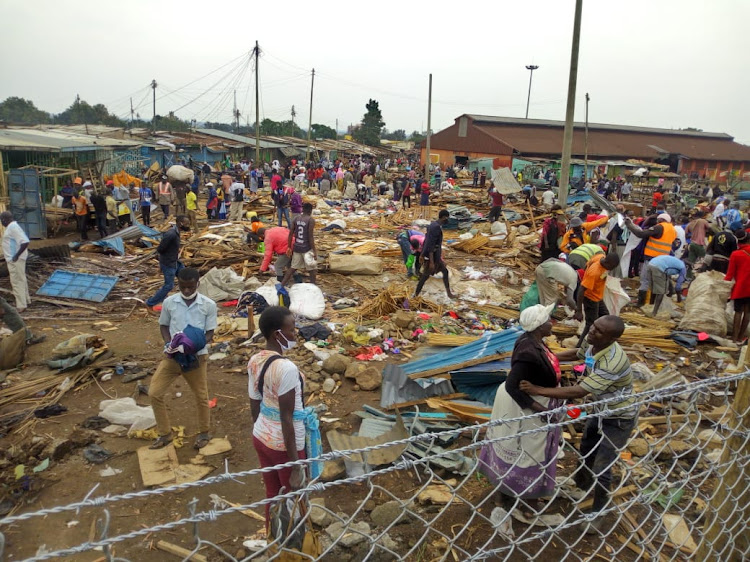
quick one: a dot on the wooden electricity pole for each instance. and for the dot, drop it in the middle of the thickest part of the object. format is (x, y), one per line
(725, 535)
(309, 126)
(153, 87)
(429, 132)
(257, 109)
(586, 143)
(570, 110)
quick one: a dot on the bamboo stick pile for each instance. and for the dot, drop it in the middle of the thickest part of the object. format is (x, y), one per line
(472, 245)
(449, 340)
(645, 321)
(25, 392)
(498, 311)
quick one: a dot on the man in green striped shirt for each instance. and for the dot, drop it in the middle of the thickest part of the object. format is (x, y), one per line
(607, 376)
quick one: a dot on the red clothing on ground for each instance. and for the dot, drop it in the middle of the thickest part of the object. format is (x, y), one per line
(276, 242)
(739, 271)
(276, 479)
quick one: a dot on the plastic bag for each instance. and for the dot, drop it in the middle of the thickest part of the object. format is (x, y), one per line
(531, 297)
(124, 411)
(307, 300)
(615, 296)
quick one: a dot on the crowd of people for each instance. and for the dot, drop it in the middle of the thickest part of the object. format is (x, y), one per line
(579, 249)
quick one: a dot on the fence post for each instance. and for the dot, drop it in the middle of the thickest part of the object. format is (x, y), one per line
(729, 508)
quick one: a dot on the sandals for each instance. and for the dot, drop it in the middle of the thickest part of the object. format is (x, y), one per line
(161, 442)
(202, 440)
(35, 340)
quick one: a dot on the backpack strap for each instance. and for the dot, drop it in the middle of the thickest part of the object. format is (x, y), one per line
(262, 376)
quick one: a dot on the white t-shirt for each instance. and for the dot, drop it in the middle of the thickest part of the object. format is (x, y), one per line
(548, 198)
(12, 239)
(281, 377)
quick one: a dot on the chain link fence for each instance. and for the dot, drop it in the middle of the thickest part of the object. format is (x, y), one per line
(679, 491)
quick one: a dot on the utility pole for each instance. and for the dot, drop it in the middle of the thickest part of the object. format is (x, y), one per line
(570, 110)
(153, 87)
(131, 113)
(429, 132)
(337, 129)
(531, 68)
(257, 109)
(586, 143)
(236, 114)
(294, 113)
(309, 126)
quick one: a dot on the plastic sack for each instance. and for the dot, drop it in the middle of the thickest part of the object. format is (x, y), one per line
(181, 174)
(354, 264)
(615, 296)
(307, 300)
(498, 228)
(530, 297)
(708, 294)
(12, 349)
(310, 260)
(124, 411)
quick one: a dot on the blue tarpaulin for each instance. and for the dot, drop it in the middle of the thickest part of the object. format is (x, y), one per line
(115, 244)
(82, 286)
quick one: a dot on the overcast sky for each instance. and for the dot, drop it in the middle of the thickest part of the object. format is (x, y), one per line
(657, 63)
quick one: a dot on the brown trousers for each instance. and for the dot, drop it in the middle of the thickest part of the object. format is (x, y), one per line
(165, 375)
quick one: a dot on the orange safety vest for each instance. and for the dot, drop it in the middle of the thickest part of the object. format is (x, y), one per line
(661, 246)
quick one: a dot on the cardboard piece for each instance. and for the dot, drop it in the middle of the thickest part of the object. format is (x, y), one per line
(157, 465)
(216, 446)
(678, 531)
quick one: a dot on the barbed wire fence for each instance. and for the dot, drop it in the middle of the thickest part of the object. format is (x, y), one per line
(680, 491)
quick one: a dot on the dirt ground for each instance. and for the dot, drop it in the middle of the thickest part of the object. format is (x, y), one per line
(137, 340)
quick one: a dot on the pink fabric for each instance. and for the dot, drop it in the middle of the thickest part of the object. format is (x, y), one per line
(276, 241)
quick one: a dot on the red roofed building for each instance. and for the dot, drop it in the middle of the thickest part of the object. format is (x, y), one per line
(709, 155)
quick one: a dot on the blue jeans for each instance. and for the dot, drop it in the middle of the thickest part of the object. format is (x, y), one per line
(169, 274)
(285, 212)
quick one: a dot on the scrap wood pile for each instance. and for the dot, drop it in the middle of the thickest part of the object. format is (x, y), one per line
(392, 300)
(222, 246)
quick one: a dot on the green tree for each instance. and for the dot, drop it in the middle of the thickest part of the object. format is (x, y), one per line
(81, 113)
(20, 111)
(171, 123)
(372, 125)
(416, 136)
(226, 127)
(397, 135)
(322, 131)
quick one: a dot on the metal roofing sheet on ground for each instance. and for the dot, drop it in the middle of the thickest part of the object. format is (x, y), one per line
(81, 286)
(486, 346)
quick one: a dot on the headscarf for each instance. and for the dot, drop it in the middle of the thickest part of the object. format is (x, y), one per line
(534, 316)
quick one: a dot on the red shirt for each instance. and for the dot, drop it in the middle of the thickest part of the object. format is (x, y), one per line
(739, 271)
(426, 188)
(276, 242)
(497, 199)
(657, 199)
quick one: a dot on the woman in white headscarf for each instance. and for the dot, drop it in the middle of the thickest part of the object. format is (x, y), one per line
(524, 466)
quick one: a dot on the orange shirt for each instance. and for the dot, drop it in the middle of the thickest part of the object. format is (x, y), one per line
(80, 205)
(594, 279)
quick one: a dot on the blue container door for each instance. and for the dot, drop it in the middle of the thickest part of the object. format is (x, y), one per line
(26, 202)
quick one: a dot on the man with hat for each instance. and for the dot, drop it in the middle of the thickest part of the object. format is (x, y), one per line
(579, 233)
(660, 240)
(166, 195)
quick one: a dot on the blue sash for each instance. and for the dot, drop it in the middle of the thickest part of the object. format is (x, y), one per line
(313, 444)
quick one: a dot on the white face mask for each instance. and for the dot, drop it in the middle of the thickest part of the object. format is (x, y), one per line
(190, 297)
(288, 344)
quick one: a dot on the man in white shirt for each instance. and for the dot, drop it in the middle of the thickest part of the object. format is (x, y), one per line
(238, 198)
(183, 310)
(548, 199)
(15, 243)
(625, 190)
(718, 211)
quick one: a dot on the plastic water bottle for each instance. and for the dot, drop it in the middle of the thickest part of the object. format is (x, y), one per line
(119, 369)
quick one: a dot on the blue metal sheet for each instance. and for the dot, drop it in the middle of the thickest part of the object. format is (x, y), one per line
(115, 244)
(81, 286)
(486, 346)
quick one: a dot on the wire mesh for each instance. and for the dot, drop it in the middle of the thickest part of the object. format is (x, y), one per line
(677, 490)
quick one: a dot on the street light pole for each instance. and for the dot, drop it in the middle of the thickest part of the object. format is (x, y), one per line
(531, 68)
